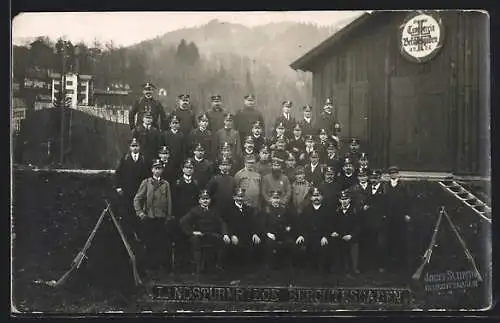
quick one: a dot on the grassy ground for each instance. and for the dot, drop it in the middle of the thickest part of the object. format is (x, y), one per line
(54, 214)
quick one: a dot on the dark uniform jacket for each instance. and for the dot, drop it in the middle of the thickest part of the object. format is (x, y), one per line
(296, 147)
(287, 123)
(215, 119)
(316, 176)
(185, 196)
(346, 223)
(205, 221)
(335, 162)
(186, 118)
(150, 141)
(203, 171)
(360, 195)
(397, 202)
(221, 188)
(258, 143)
(308, 128)
(243, 223)
(169, 172)
(327, 122)
(244, 120)
(151, 105)
(331, 192)
(176, 142)
(275, 220)
(203, 137)
(227, 135)
(312, 224)
(347, 181)
(129, 174)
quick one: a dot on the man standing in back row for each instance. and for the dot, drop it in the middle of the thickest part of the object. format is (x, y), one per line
(144, 104)
(246, 117)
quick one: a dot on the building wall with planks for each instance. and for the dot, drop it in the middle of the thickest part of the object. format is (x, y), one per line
(431, 116)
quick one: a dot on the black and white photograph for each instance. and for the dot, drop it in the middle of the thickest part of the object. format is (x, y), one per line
(250, 162)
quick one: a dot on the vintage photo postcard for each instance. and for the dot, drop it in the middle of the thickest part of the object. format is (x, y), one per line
(244, 162)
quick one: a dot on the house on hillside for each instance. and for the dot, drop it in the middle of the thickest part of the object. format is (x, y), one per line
(414, 87)
(77, 86)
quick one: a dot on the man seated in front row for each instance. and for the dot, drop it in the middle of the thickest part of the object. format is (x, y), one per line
(204, 227)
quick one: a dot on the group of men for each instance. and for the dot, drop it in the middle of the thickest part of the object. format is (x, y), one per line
(213, 183)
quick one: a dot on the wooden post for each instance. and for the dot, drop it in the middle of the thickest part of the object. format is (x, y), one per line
(387, 101)
(62, 104)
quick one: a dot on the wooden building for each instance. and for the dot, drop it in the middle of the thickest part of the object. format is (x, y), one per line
(412, 86)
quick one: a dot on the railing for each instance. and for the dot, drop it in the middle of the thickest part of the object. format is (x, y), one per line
(118, 114)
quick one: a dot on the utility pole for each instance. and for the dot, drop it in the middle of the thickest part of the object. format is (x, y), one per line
(62, 103)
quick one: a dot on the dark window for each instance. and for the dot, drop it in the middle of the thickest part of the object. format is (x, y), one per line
(69, 83)
(70, 91)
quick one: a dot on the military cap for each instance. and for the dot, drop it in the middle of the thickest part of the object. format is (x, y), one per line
(307, 107)
(315, 191)
(157, 163)
(149, 85)
(300, 170)
(337, 126)
(203, 116)
(184, 97)
(330, 169)
(280, 125)
(309, 138)
(249, 140)
(249, 97)
(314, 153)
(264, 148)
(147, 114)
(297, 126)
(164, 150)
(239, 191)
(344, 195)
(225, 161)
(216, 97)
(322, 131)
(228, 116)
(188, 163)
(393, 170)
(347, 160)
(363, 156)
(355, 141)
(277, 161)
(375, 174)
(281, 139)
(199, 147)
(134, 142)
(257, 124)
(287, 103)
(204, 194)
(275, 193)
(362, 172)
(290, 156)
(175, 119)
(329, 101)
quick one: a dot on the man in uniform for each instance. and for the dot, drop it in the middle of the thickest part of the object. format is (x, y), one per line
(203, 225)
(326, 119)
(147, 104)
(169, 171)
(245, 117)
(279, 149)
(130, 172)
(354, 153)
(348, 174)
(175, 139)
(248, 146)
(250, 180)
(263, 166)
(300, 190)
(226, 153)
(286, 119)
(149, 137)
(363, 164)
(153, 206)
(229, 135)
(331, 187)
(221, 186)
(310, 146)
(201, 135)
(360, 193)
(216, 114)
(184, 113)
(397, 194)
(277, 226)
(332, 158)
(245, 230)
(296, 144)
(258, 137)
(203, 168)
(307, 124)
(279, 134)
(312, 231)
(314, 172)
(290, 166)
(276, 181)
(345, 232)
